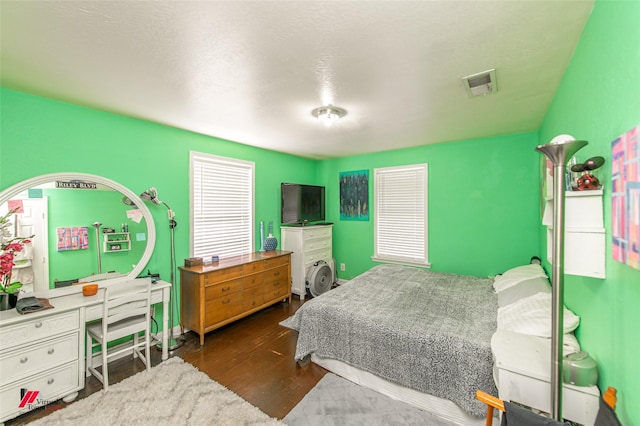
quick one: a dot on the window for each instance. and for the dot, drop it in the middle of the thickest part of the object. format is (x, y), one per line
(400, 215)
(221, 206)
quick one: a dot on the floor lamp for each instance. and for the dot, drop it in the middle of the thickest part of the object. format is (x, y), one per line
(151, 194)
(558, 151)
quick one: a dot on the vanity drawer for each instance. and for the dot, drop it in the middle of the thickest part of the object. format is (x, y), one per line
(51, 385)
(38, 329)
(39, 357)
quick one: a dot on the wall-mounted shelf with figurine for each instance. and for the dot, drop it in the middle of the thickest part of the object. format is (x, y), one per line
(116, 241)
(584, 243)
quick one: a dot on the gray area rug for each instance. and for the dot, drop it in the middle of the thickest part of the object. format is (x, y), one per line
(172, 393)
(337, 401)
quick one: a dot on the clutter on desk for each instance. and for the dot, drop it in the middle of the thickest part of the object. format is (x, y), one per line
(27, 305)
(90, 289)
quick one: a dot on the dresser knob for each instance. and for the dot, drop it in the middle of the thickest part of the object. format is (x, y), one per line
(224, 302)
(50, 381)
(51, 351)
(23, 360)
(38, 324)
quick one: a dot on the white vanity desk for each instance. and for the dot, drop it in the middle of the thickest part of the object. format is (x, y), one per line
(44, 351)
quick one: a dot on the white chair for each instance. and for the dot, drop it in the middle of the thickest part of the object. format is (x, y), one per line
(126, 312)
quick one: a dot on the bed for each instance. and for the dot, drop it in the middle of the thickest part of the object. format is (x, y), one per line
(408, 332)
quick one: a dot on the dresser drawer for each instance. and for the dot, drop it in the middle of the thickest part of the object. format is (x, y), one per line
(276, 290)
(252, 298)
(221, 308)
(279, 273)
(316, 233)
(276, 261)
(38, 329)
(222, 275)
(50, 385)
(254, 280)
(310, 245)
(39, 357)
(311, 257)
(223, 289)
(252, 267)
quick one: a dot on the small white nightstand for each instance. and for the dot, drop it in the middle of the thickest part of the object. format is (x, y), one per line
(522, 373)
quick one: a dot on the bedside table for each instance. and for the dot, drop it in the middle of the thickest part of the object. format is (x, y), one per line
(522, 372)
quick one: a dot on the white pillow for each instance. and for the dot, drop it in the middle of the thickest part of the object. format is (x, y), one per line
(516, 275)
(523, 289)
(532, 315)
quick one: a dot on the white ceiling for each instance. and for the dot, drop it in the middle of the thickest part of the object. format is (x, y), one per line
(252, 71)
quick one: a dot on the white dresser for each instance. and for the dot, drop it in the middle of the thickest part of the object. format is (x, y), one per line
(309, 244)
(43, 354)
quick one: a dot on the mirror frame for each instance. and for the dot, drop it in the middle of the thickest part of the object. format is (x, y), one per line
(12, 191)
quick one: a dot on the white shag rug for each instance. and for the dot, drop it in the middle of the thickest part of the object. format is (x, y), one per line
(172, 393)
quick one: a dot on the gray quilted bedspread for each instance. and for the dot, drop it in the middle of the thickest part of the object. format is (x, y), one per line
(424, 330)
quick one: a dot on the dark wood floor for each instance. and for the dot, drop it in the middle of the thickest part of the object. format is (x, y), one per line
(253, 357)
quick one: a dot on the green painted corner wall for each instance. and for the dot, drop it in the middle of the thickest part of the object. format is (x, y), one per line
(39, 136)
(598, 100)
(482, 210)
(484, 214)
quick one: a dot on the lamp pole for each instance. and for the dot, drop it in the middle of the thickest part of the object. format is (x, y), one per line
(559, 151)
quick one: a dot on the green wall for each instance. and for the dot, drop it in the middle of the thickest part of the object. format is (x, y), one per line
(482, 212)
(483, 194)
(39, 136)
(77, 208)
(599, 99)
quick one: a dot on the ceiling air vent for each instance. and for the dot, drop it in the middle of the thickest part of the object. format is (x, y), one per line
(482, 83)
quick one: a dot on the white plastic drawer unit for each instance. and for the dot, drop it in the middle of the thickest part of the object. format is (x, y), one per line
(38, 329)
(26, 361)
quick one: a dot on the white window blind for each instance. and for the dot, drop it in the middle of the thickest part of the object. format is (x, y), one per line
(222, 207)
(401, 214)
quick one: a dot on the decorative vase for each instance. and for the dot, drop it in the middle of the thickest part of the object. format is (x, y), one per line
(262, 235)
(270, 243)
(8, 301)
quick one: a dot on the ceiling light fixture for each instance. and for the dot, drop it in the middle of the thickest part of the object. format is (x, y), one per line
(329, 114)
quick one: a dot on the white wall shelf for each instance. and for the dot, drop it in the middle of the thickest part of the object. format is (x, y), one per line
(116, 241)
(584, 243)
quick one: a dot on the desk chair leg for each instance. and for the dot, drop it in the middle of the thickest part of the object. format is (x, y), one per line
(88, 358)
(489, 421)
(105, 367)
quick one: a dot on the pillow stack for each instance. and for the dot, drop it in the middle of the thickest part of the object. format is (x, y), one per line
(524, 304)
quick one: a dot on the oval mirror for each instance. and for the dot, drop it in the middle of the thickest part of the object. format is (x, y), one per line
(86, 228)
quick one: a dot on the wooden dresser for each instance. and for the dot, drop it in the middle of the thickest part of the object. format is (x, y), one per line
(215, 295)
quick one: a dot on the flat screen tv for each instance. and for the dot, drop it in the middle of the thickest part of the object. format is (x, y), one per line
(302, 204)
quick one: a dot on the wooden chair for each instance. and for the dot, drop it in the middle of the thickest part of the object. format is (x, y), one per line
(126, 312)
(492, 402)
